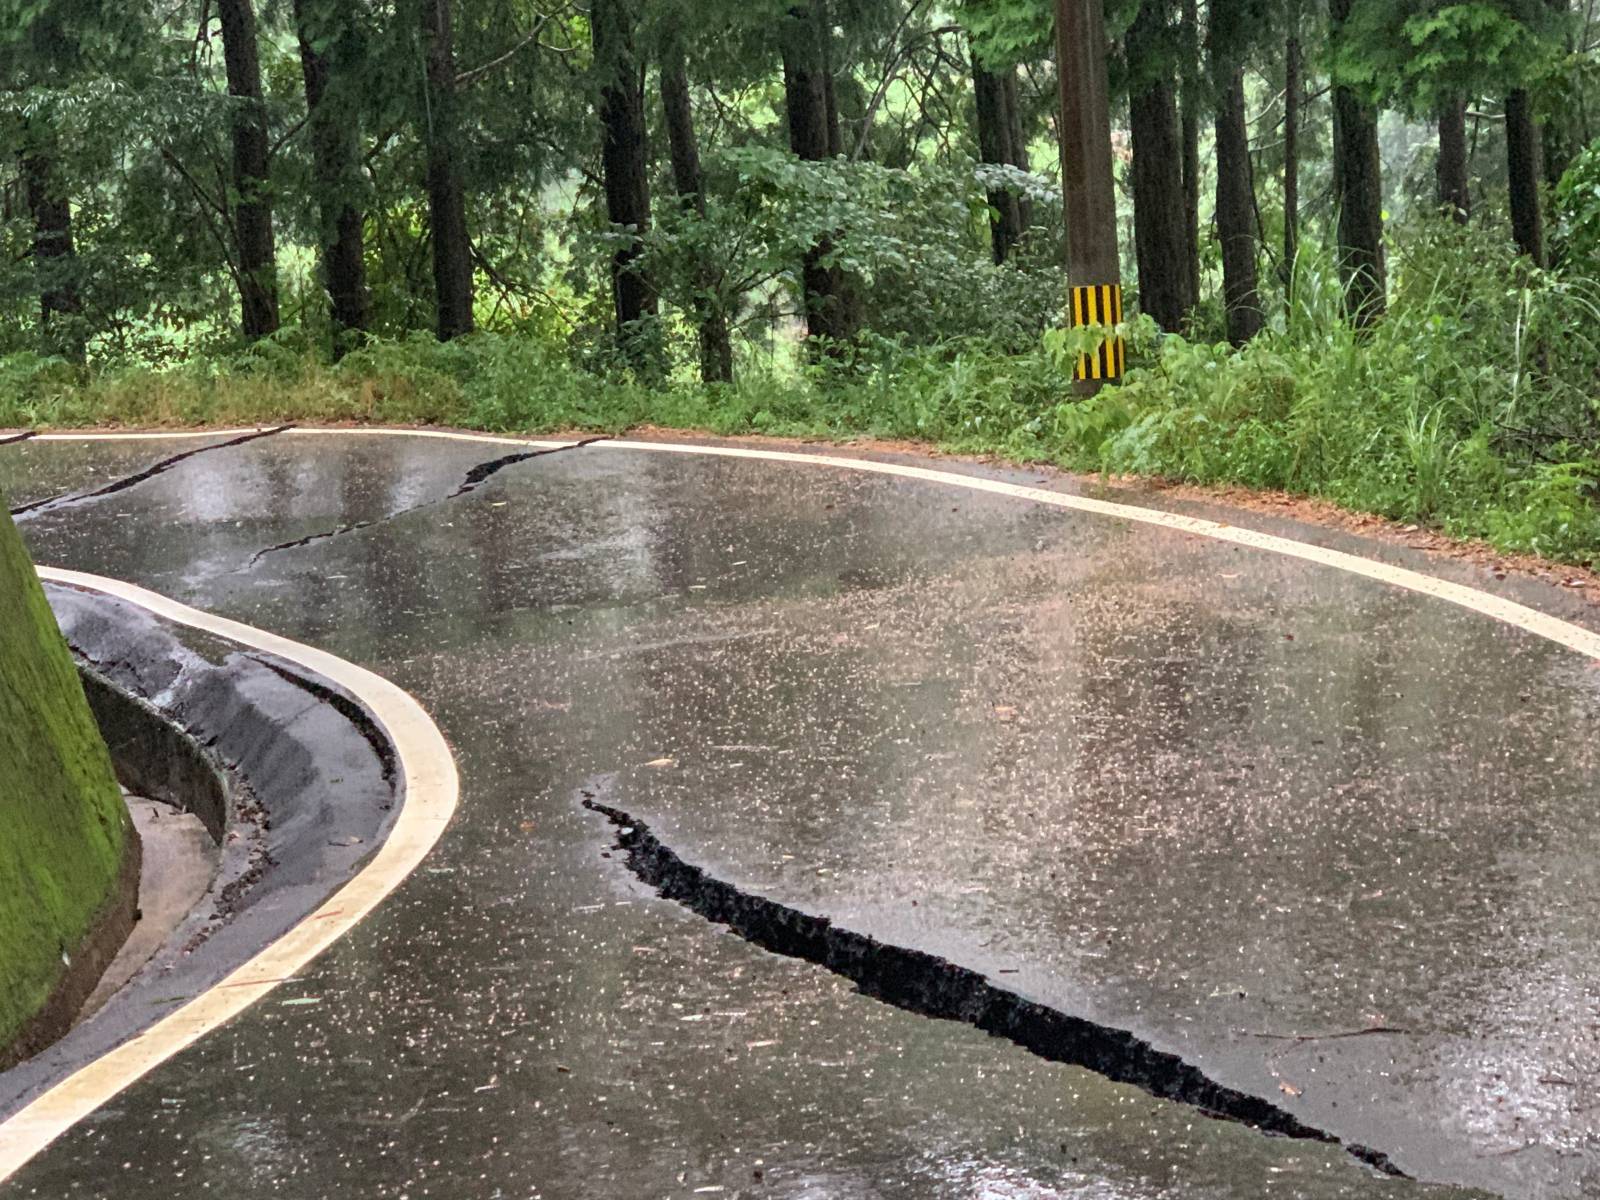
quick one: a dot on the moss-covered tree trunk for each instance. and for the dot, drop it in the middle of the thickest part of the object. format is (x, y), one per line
(63, 828)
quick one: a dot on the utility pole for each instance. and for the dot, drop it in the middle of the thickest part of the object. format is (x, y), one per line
(1094, 263)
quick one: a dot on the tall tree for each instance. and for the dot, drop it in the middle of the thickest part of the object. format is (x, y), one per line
(328, 48)
(61, 329)
(1561, 29)
(447, 203)
(995, 131)
(821, 13)
(1158, 202)
(1546, 26)
(625, 163)
(812, 119)
(1454, 190)
(1189, 105)
(1525, 171)
(1236, 227)
(1020, 156)
(1358, 190)
(252, 207)
(716, 349)
(1293, 92)
(1236, 29)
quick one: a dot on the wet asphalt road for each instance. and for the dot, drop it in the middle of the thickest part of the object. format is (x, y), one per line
(1234, 803)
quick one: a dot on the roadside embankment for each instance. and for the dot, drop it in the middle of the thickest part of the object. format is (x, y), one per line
(69, 860)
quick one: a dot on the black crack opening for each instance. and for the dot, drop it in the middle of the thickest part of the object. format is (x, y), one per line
(160, 467)
(475, 478)
(934, 987)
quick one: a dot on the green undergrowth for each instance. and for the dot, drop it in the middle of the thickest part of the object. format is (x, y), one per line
(1470, 408)
(62, 822)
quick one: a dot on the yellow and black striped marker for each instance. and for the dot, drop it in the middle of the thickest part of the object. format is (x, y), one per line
(1100, 305)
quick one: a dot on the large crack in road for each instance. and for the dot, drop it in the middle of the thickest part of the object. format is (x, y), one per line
(159, 467)
(930, 986)
(475, 478)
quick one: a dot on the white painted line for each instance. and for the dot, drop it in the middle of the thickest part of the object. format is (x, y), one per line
(443, 434)
(428, 771)
(146, 436)
(1530, 620)
(160, 435)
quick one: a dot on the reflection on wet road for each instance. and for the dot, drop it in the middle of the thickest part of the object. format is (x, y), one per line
(1330, 842)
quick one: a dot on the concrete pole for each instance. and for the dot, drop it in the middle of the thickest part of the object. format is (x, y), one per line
(1094, 262)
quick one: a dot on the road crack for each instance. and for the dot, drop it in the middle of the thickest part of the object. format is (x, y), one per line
(69, 499)
(934, 987)
(475, 478)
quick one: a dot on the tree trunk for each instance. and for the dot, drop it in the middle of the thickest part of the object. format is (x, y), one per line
(994, 146)
(830, 311)
(1292, 96)
(1088, 183)
(1190, 104)
(1525, 170)
(252, 210)
(1236, 214)
(1558, 133)
(324, 35)
(55, 258)
(1018, 140)
(1455, 197)
(447, 203)
(1358, 187)
(624, 159)
(1158, 200)
(830, 90)
(716, 350)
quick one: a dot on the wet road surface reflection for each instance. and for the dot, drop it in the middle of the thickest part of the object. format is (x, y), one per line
(1235, 804)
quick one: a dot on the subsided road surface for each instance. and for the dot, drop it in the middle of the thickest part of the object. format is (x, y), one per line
(1272, 839)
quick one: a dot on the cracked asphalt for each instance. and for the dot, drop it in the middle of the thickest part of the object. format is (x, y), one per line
(1329, 843)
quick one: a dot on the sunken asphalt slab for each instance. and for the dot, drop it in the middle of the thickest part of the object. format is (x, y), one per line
(1327, 843)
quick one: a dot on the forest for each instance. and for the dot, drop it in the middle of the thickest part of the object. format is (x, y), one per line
(1360, 238)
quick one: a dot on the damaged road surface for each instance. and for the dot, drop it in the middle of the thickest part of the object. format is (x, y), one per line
(1300, 867)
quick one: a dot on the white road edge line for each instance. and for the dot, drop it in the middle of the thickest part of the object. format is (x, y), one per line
(431, 786)
(146, 436)
(1530, 620)
(430, 770)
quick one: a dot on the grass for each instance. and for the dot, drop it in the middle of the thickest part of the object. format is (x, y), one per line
(62, 822)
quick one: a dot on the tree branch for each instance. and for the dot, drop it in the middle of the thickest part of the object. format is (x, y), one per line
(206, 203)
(470, 77)
(288, 136)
